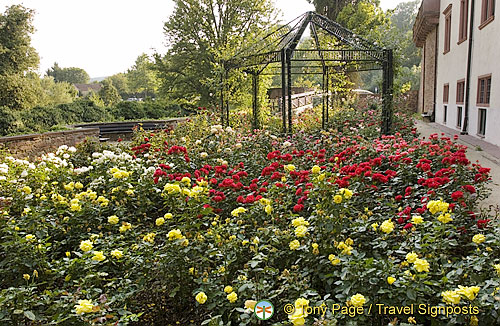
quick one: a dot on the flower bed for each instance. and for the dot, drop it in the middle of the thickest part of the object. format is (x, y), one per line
(196, 225)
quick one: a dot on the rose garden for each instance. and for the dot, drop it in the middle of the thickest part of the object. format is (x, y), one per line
(195, 225)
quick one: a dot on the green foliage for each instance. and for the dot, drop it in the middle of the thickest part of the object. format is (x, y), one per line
(17, 56)
(191, 68)
(46, 118)
(142, 77)
(72, 75)
(331, 8)
(365, 18)
(322, 215)
(51, 93)
(121, 82)
(108, 93)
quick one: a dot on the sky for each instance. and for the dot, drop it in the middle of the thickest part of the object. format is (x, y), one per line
(104, 37)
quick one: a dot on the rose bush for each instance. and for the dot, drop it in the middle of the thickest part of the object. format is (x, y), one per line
(195, 225)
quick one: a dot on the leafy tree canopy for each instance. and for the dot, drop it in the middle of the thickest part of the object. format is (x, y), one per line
(142, 76)
(72, 75)
(108, 93)
(17, 57)
(201, 34)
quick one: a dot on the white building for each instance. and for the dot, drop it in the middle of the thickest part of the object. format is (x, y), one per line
(460, 80)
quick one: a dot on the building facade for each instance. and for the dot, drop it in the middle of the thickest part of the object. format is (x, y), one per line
(460, 79)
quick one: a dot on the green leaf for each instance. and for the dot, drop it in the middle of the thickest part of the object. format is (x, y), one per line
(30, 315)
(411, 294)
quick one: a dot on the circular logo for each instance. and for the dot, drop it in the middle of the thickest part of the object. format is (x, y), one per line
(264, 310)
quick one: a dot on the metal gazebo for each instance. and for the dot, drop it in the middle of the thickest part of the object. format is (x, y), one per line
(280, 46)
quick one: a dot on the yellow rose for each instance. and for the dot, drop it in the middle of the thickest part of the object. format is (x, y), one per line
(125, 226)
(167, 216)
(150, 237)
(358, 300)
(232, 297)
(235, 212)
(417, 219)
(84, 306)
(316, 169)
(98, 256)
(387, 226)
(113, 219)
(497, 268)
(201, 297)
(29, 237)
(174, 234)
(300, 231)
(86, 245)
(334, 260)
(478, 238)
(228, 289)
(117, 253)
(411, 257)
(299, 221)
(159, 221)
(294, 245)
(445, 218)
(421, 265)
(469, 292)
(250, 304)
(346, 193)
(451, 297)
(337, 199)
(391, 280)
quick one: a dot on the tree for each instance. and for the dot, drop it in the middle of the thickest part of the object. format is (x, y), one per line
(17, 57)
(121, 82)
(50, 93)
(72, 75)
(142, 76)
(108, 93)
(331, 8)
(202, 34)
(402, 19)
(366, 19)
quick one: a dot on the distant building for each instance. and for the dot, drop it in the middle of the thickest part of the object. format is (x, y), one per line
(460, 79)
(85, 89)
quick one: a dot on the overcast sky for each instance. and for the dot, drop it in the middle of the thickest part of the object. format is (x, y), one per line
(105, 37)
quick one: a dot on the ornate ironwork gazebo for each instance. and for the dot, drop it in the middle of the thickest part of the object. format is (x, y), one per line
(280, 46)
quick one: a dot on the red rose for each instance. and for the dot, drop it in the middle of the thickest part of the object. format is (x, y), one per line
(407, 226)
(471, 189)
(298, 208)
(457, 195)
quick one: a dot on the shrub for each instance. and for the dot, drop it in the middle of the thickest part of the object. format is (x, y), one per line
(133, 237)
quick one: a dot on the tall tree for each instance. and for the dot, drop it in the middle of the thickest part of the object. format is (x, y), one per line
(142, 76)
(72, 75)
(331, 8)
(202, 33)
(17, 57)
(121, 82)
(108, 93)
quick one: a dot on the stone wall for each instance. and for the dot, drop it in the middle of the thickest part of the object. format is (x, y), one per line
(34, 145)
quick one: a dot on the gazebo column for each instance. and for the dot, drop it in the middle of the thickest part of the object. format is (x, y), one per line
(283, 89)
(387, 93)
(289, 87)
(255, 101)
